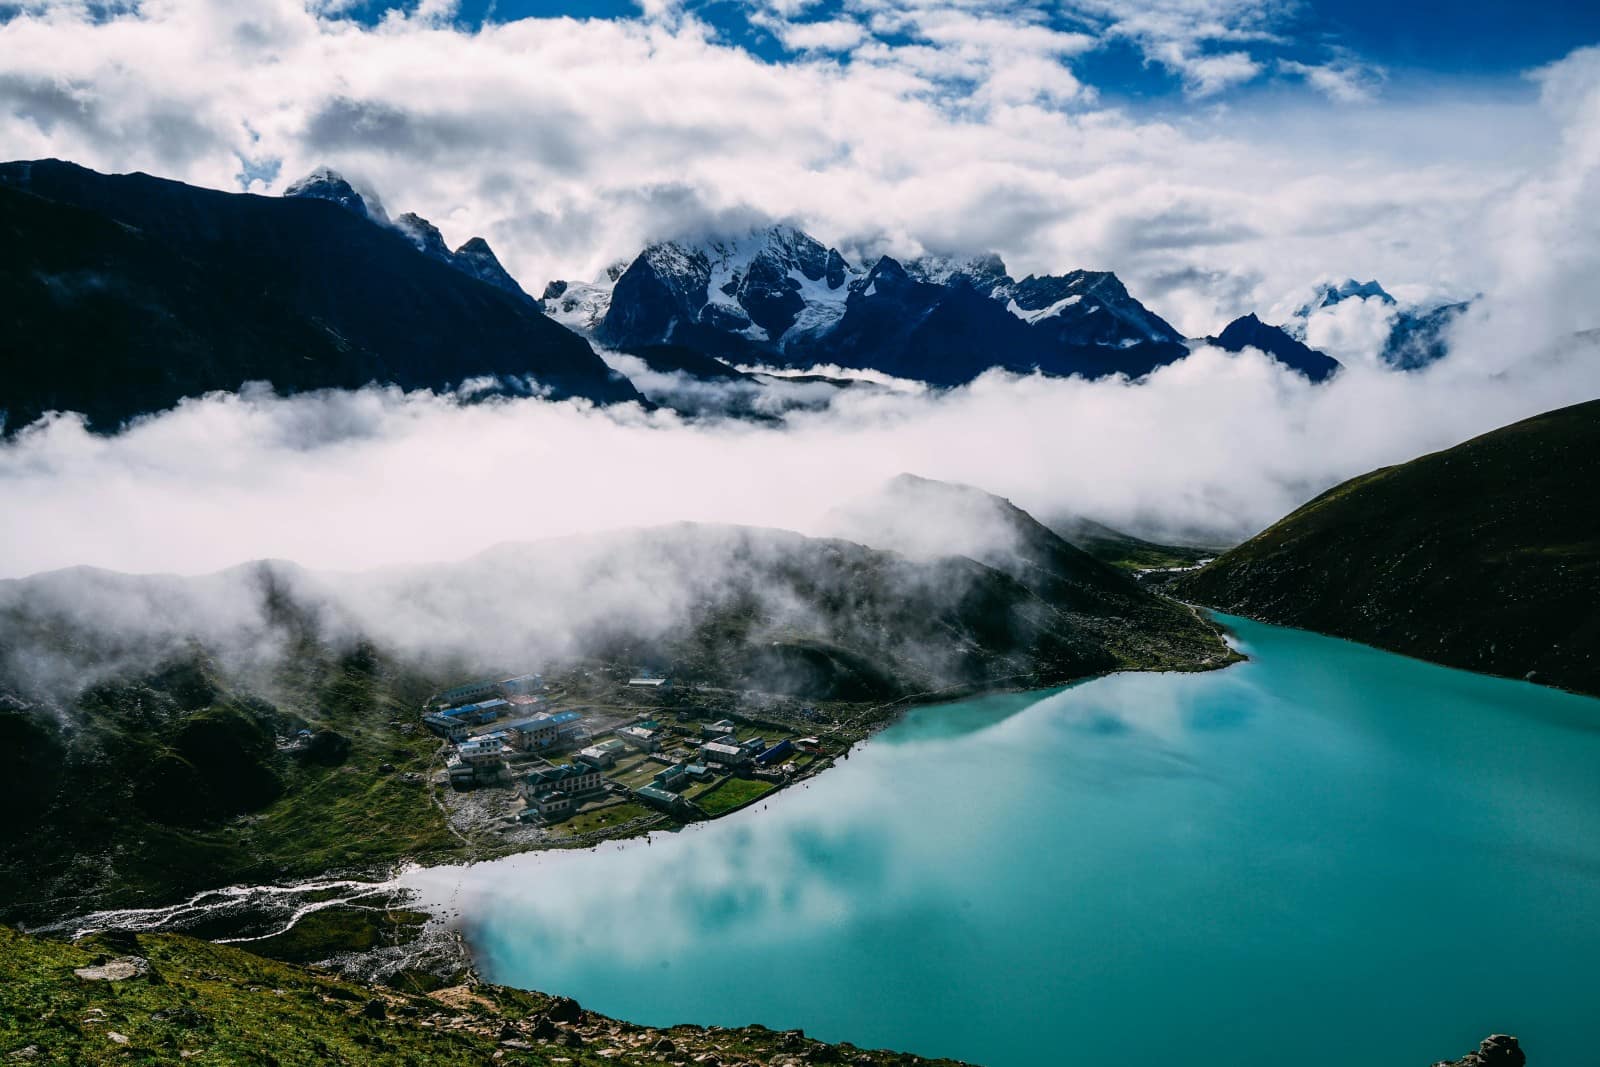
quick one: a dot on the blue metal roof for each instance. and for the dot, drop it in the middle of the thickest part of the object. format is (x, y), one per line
(473, 709)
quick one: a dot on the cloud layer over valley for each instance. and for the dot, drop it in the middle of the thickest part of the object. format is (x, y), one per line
(1214, 448)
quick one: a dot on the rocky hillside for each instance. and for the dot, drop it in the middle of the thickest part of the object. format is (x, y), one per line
(1485, 556)
(162, 998)
(121, 294)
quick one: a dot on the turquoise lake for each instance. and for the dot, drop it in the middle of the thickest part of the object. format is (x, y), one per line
(1325, 855)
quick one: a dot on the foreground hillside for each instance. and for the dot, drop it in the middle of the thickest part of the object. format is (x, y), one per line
(162, 998)
(263, 724)
(1485, 556)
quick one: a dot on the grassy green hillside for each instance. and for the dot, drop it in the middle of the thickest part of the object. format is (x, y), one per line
(1485, 556)
(168, 782)
(187, 1001)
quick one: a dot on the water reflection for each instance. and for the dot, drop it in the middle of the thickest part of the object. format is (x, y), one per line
(1167, 868)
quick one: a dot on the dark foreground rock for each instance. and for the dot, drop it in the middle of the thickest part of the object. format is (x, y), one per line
(1496, 1050)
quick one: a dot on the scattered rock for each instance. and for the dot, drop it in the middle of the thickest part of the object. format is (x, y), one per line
(665, 1045)
(121, 1039)
(118, 970)
(26, 1053)
(375, 1009)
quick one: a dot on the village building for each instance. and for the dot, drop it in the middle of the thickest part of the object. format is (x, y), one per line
(573, 779)
(486, 688)
(673, 778)
(659, 685)
(715, 730)
(481, 751)
(776, 753)
(480, 713)
(446, 727)
(543, 731)
(718, 753)
(753, 747)
(521, 685)
(603, 754)
(645, 736)
(551, 803)
(657, 797)
(698, 771)
(471, 691)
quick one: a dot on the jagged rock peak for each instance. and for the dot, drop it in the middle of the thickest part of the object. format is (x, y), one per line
(1330, 293)
(982, 272)
(476, 258)
(1248, 331)
(424, 234)
(325, 183)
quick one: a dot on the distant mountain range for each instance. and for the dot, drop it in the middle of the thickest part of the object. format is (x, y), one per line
(778, 296)
(123, 294)
(1417, 336)
(1485, 556)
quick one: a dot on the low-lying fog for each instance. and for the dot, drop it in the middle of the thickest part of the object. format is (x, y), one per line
(1208, 450)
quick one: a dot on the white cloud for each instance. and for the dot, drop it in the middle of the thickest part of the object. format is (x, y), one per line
(827, 35)
(1343, 80)
(1215, 446)
(570, 143)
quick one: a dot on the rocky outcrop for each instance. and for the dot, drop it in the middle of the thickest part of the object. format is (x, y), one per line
(1496, 1050)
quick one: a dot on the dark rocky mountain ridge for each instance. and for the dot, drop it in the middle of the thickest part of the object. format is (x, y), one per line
(1275, 341)
(122, 294)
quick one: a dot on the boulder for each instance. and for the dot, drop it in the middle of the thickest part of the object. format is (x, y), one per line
(565, 1010)
(1496, 1050)
(120, 969)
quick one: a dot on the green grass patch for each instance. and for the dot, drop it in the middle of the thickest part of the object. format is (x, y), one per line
(733, 793)
(598, 819)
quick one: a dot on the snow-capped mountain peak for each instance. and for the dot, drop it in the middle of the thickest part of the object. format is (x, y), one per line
(325, 183)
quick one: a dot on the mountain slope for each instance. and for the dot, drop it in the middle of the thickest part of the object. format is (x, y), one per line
(926, 519)
(1485, 556)
(122, 294)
